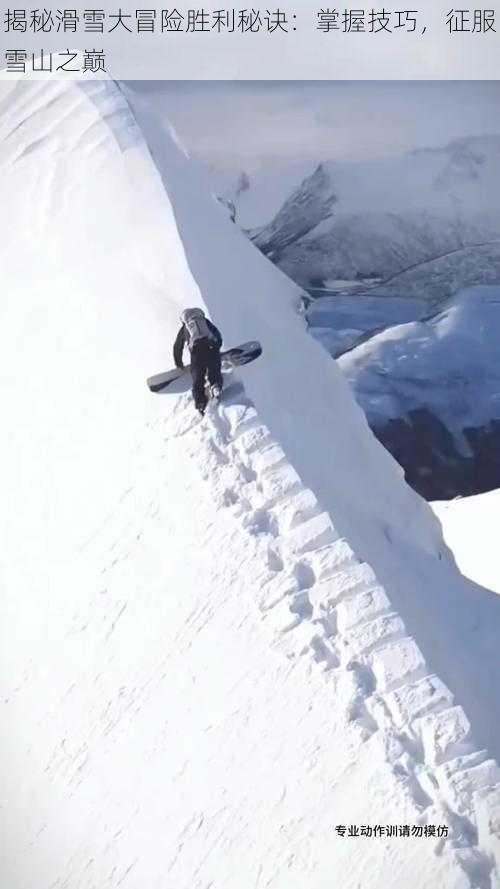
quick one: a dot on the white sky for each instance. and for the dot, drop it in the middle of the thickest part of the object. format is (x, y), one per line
(248, 124)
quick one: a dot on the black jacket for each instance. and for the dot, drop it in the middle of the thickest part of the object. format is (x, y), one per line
(182, 338)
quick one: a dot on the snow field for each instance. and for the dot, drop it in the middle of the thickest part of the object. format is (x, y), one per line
(319, 602)
(476, 555)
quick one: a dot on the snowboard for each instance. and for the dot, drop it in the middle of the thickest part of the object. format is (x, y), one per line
(179, 379)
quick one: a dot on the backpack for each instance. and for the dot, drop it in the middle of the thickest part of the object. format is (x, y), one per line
(196, 327)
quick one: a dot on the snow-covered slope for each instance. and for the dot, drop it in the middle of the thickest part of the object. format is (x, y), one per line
(257, 190)
(477, 553)
(342, 322)
(222, 639)
(379, 218)
(439, 279)
(431, 392)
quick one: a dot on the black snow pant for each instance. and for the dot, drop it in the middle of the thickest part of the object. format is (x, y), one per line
(205, 362)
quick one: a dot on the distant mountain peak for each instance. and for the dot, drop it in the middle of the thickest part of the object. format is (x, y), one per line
(378, 218)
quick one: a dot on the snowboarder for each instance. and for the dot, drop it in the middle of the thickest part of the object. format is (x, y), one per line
(204, 342)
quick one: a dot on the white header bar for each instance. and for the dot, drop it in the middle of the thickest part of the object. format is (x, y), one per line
(294, 40)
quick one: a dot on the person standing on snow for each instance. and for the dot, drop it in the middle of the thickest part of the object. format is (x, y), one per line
(204, 342)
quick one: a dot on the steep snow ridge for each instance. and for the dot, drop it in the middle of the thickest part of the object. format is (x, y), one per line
(331, 448)
(261, 302)
(141, 544)
(320, 602)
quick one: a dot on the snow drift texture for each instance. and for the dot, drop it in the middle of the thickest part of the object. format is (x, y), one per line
(221, 638)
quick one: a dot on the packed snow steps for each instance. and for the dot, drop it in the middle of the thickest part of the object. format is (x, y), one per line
(366, 637)
(396, 663)
(310, 534)
(487, 807)
(241, 417)
(253, 439)
(415, 699)
(362, 607)
(328, 561)
(461, 778)
(296, 509)
(267, 457)
(320, 602)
